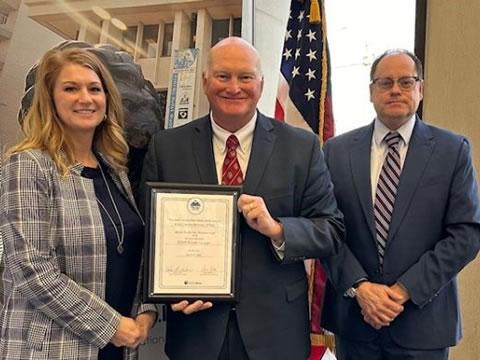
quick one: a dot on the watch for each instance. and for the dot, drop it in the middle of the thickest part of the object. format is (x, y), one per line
(352, 292)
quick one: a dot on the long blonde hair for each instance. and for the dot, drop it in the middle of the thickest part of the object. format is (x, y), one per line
(43, 128)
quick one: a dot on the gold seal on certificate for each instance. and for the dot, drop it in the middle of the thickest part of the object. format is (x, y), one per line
(192, 242)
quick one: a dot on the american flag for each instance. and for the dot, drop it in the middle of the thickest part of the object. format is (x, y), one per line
(303, 97)
(303, 100)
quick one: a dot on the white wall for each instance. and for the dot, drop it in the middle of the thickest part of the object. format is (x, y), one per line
(269, 25)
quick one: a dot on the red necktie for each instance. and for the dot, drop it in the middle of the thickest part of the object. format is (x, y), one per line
(231, 171)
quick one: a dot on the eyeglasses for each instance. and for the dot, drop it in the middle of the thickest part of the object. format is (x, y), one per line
(405, 82)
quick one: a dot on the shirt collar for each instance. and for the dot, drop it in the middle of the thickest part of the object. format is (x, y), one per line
(405, 131)
(244, 134)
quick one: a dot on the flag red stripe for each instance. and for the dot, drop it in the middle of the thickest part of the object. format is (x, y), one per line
(279, 112)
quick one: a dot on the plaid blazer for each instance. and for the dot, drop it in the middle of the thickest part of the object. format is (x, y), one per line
(55, 262)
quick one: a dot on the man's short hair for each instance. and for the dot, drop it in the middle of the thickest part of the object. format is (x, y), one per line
(416, 60)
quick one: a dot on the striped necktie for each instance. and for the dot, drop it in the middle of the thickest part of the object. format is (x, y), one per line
(231, 171)
(386, 191)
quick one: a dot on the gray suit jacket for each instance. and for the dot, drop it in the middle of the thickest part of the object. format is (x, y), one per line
(55, 262)
(434, 233)
(287, 169)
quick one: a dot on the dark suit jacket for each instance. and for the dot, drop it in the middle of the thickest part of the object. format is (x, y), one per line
(287, 169)
(434, 233)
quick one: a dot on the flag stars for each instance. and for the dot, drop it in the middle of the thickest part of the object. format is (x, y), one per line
(287, 54)
(312, 55)
(310, 74)
(288, 35)
(311, 35)
(295, 71)
(299, 34)
(301, 16)
(309, 94)
(297, 53)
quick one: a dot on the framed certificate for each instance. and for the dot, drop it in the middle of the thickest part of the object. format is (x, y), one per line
(192, 242)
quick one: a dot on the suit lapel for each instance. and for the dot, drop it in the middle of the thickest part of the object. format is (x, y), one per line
(262, 147)
(360, 151)
(419, 153)
(202, 148)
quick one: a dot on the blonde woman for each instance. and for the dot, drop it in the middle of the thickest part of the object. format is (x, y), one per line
(71, 231)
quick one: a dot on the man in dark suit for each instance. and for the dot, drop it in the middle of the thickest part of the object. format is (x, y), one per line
(289, 213)
(410, 200)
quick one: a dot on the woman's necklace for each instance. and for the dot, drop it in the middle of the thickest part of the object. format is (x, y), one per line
(120, 233)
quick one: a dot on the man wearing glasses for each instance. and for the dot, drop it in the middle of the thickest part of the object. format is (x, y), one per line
(409, 196)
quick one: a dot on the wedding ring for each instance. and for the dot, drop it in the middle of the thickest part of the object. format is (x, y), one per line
(251, 206)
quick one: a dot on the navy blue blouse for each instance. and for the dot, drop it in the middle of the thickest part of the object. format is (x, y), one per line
(122, 269)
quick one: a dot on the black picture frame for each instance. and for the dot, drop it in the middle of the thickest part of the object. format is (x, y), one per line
(171, 272)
